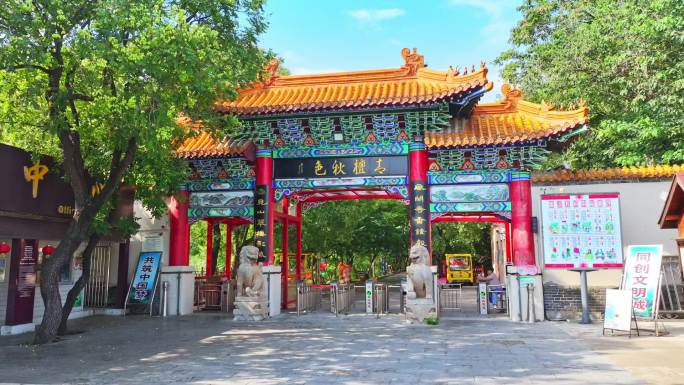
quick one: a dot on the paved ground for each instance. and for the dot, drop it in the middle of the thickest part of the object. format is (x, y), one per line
(315, 348)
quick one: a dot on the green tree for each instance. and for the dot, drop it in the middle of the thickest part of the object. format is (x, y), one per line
(100, 85)
(625, 58)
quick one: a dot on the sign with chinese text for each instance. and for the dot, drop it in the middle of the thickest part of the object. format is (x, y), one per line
(369, 296)
(22, 282)
(420, 213)
(618, 314)
(482, 297)
(340, 167)
(145, 277)
(261, 219)
(642, 278)
(581, 231)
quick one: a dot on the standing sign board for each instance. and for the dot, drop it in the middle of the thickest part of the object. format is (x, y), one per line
(22, 282)
(618, 315)
(369, 296)
(582, 231)
(142, 288)
(642, 278)
(482, 297)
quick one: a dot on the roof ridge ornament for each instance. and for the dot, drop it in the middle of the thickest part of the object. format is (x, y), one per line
(271, 71)
(413, 61)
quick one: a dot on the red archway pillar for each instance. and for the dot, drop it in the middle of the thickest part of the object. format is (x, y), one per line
(179, 237)
(229, 249)
(418, 193)
(507, 227)
(209, 271)
(285, 262)
(298, 247)
(521, 220)
(263, 204)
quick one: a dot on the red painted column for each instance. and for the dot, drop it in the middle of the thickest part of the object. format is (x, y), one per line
(229, 249)
(210, 245)
(419, 213)
(263, 204)
(285, 262)
(521, 220)
(179, 242)
(507, 234)
(298, 247)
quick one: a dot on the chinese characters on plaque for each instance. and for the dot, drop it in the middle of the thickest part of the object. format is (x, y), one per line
(342, 167)
(261, 219)
(145, 277)
(420, 219)
(581, 231)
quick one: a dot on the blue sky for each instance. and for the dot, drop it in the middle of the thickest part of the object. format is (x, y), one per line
(328, 36)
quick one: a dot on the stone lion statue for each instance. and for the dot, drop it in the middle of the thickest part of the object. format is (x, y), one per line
(250, 278)
(419, 274)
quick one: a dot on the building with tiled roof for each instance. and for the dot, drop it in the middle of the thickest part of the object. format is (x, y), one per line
(633, 173)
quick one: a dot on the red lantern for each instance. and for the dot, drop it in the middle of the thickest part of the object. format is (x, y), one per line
(322, 266)
(48, 250)
(4, 248)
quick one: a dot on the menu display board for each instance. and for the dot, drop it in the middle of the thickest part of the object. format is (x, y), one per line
(581, 231)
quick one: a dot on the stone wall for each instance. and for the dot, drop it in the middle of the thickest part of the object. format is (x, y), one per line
(564, 302)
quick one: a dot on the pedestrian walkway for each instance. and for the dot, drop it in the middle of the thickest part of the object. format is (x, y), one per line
(311, 349)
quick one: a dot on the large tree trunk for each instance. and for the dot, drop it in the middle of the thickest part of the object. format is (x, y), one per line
(79, 285)
(49, 285)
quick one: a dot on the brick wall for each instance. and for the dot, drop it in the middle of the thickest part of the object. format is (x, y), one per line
(564, 302)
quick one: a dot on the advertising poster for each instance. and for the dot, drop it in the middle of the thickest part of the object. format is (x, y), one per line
(581, 231)
(642, 277)
(618, 315)
(145, 277)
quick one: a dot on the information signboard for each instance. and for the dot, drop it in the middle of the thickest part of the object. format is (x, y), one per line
(618, 314)
(581, 231)
(145, 277)
(642, 278)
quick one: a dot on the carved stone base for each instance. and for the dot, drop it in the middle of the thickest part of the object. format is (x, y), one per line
(250, 309)
(418, 309)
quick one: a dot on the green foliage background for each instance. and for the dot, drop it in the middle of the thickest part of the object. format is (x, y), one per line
(625, 58)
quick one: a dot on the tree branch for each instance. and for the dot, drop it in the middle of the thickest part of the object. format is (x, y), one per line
(30, 66)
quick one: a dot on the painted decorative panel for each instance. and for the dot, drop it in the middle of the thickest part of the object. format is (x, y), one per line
(221, 168)
(465, 177)
(496, 192)
(332, 150)
(225, 212)
(490, 158)
(229, 184)
(224, 199)
(341, 182)
(464, 207)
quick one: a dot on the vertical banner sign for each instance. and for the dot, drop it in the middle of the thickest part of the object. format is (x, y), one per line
(618, 315)
(482, 298)
(261, 219)
(420, 209)
(369, 296)
(145, 277)
(642, 278)
(22, 283)
(581, 231)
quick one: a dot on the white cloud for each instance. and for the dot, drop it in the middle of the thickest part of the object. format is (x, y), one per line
(373, 17)
(498, 27)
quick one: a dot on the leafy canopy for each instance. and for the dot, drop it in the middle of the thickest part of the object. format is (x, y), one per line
(625, 58)
(120, 71)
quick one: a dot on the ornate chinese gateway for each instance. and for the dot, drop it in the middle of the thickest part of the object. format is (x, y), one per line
(410, 133)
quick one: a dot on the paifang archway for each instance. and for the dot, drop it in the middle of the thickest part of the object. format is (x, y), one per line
(412, 131)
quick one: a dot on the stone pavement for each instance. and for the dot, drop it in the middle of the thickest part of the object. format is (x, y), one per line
(311, 349)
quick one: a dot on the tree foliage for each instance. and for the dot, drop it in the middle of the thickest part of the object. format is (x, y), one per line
(100, 85)
(625, 58)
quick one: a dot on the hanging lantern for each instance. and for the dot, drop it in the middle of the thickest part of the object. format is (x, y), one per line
(4, 248)
(48, 250)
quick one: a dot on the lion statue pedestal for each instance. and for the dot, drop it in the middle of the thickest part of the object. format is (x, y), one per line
(251, 301)
(420, 303)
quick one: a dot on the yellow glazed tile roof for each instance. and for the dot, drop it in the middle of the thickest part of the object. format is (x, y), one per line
(510, 120)
(641, 172)
(204, 144)
(412, 83)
